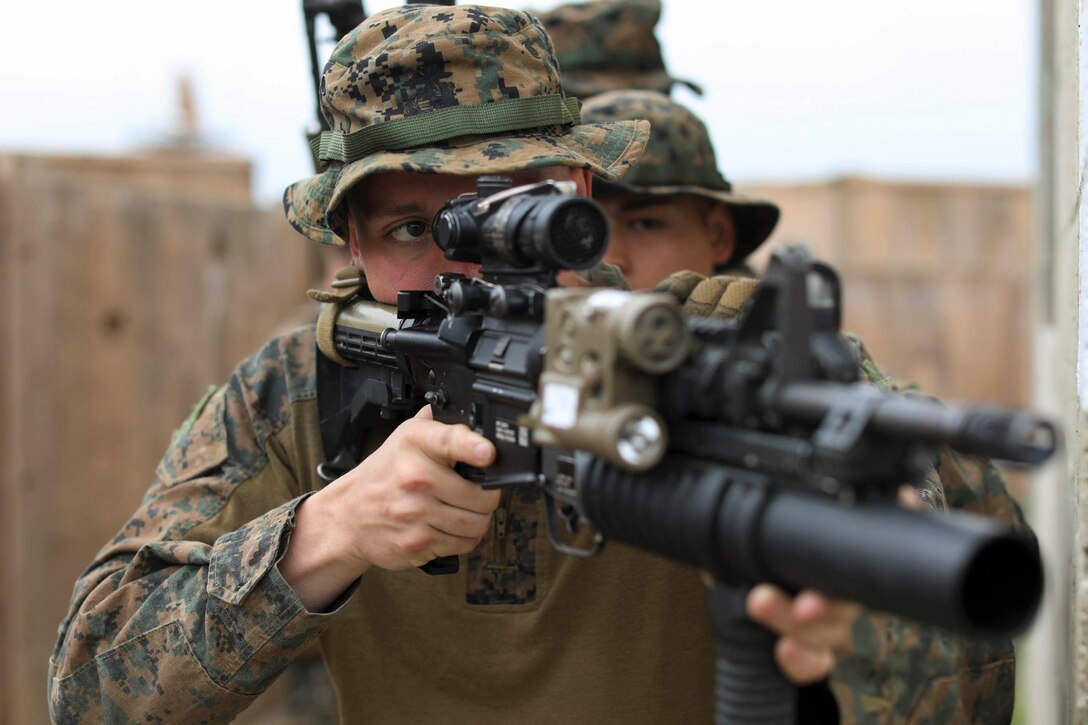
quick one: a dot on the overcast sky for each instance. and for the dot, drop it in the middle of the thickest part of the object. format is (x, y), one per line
(795, 90)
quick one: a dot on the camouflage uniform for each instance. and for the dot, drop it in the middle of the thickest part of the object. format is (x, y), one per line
(873, 683)
(609, 45)
(184, 615)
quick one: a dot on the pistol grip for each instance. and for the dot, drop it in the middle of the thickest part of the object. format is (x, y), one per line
(442, 565)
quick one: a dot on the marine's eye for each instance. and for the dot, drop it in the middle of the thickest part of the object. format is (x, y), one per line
(409, 231)
(646, 224)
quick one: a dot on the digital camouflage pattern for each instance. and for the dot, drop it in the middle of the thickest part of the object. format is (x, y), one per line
(885, 680)
(408, 66)
(502, 569)
(609, 45)
(898, 671)
(679, 159)
(180, 619)
(982, 689)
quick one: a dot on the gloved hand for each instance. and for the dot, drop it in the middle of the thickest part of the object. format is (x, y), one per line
(719, 297)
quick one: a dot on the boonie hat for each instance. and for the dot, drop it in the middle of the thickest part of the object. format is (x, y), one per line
(437, 89)
(609, 45)
(679, 159)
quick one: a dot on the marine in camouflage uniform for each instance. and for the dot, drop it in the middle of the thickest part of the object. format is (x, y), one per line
(897, 671)
(678, 167)
(609, 45)
(185, 615)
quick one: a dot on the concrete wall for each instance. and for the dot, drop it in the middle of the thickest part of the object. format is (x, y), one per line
(1057, 660)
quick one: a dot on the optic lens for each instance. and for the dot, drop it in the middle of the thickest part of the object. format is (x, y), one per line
(578, 234)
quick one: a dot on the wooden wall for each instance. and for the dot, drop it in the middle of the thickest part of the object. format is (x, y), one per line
(123, 301)
(936, 276)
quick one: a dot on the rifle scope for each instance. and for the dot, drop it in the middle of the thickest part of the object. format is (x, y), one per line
(544, 225)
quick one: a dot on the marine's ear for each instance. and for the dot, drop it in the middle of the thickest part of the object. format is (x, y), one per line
(353, 241)
(583, 179)
(722, 231)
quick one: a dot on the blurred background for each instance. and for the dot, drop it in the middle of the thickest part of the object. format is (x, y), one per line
(928, 150)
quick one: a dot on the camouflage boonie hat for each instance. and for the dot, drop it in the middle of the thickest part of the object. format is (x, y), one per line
(446, 90)
(609, 45)
(679, 159)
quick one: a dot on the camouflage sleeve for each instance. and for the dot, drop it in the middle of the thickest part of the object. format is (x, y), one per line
(902, 672)
(968, 483)
(179, 619)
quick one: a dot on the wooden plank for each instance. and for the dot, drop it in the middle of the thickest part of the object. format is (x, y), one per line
(207, 175)
(13, 564)
(930, 272)
(130, 303)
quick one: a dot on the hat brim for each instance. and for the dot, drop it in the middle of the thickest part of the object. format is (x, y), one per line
(314, 208)
(586, 83)
(754, 219)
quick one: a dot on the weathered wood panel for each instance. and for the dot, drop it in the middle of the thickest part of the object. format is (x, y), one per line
(935, 276)
(123, 304)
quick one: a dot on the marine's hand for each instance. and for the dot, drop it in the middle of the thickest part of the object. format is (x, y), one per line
(603, 275)
(814, 629)
(404, 505)
(399, 508)
(720, 297)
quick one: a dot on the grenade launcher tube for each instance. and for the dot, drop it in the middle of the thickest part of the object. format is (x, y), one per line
(964, 574)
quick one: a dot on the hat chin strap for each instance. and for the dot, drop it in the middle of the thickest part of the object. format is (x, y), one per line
(510, 114)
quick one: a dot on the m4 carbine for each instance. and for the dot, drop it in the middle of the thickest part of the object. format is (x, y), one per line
(746, 448)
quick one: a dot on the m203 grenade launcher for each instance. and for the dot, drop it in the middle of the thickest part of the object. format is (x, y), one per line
(748, 448)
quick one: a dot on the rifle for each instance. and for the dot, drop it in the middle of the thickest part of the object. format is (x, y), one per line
(342, 15)
(746, 448)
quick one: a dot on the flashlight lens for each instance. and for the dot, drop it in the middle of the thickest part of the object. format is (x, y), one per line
(639, 441)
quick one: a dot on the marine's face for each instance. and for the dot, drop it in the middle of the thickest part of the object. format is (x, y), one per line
(390, 227)
(654, 236)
